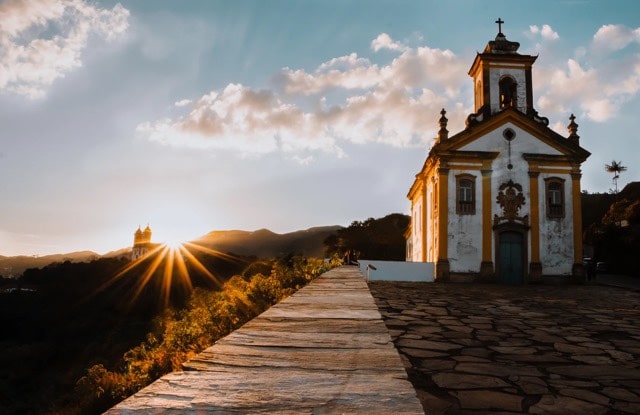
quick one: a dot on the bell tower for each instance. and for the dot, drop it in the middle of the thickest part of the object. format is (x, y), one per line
(502, 77)
(141, 243)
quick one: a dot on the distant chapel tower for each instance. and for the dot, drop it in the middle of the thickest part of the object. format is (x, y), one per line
(500, 200)
(141, 243)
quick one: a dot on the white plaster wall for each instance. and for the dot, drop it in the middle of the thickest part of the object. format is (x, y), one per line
(526, 143)
(518, 174)
(556, 235)
(464, 231)
(494, 93)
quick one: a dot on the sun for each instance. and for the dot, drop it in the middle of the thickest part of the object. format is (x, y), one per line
(174, 244)
(170, 264)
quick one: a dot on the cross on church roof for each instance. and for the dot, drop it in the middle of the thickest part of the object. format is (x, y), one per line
(499, 21)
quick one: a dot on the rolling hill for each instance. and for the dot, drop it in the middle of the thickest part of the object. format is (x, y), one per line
(265, 243)
(16, 265)
(261, 243)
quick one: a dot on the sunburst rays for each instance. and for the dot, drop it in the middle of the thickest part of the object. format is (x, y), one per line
(170, 268)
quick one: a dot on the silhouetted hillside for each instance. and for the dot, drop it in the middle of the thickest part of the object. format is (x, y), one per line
(381, 239)
(65, 317)
(16, 265)
(596, 205)
(261, 243)
(119, 253)
(267, 244)
(631, 191)
(612, 229)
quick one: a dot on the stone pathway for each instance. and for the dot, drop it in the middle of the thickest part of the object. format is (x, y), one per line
(491, 349)
(324, 350)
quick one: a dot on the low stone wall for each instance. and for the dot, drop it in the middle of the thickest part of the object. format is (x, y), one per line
(398, 270)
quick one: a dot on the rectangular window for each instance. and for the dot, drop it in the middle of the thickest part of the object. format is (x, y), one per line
(555, 197)
(465, 194)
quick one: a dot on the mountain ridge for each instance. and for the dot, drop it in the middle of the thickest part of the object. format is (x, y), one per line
(261, 243)
(13, 266)
(266, 243)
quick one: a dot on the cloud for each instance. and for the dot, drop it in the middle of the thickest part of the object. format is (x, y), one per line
(345, 72)
(546, 32)
(182, 103)
(42, 40)
(302, 160)
(346, 99)
(568, 89)
(590, 84)
(615, 37)
(350, 99)
(247, 121)
(384, 41)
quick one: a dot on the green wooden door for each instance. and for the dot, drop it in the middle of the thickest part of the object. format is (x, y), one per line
(511, 258)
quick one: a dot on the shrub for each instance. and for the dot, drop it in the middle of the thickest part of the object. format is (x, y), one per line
(179, 335)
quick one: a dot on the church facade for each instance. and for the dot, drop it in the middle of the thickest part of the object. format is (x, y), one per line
(500, 200)
(141, 243)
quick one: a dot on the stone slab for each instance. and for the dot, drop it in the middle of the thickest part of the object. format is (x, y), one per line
(330, 359)
(283, 391)
(323, 350)
(322, 311)
(307, 340)
(291, 325)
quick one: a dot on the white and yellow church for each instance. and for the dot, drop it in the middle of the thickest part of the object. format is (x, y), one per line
(142, 244)
(500, 200)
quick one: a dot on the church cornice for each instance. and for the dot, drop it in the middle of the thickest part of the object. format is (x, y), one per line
(428, 169)
(547, 159)
(415, 188)
(537, 128)
(468, 156)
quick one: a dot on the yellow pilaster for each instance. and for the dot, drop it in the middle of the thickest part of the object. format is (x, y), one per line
(442, 265)
(443, 208)
(487, 252)
(578, 270)
(433, 217)
(425, 222)
(535, 267)
(486, 265)
(535, 216)
(577, 218)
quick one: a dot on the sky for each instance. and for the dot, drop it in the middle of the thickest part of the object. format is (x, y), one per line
(215, 115)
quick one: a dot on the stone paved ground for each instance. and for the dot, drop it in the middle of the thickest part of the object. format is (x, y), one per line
(480, 349)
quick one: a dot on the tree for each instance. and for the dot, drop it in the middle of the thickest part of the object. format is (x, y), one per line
(616, 168)
(381, 239)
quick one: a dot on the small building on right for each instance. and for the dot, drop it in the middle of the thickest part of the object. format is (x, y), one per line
(500, 200)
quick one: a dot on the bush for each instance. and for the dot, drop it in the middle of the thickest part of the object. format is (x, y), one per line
(179, 335)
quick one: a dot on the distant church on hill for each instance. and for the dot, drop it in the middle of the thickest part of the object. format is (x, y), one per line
(500, 200)
(141, 243)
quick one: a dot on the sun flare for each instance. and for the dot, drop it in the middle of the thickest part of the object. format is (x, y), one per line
(168, 265)
(174, 244)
